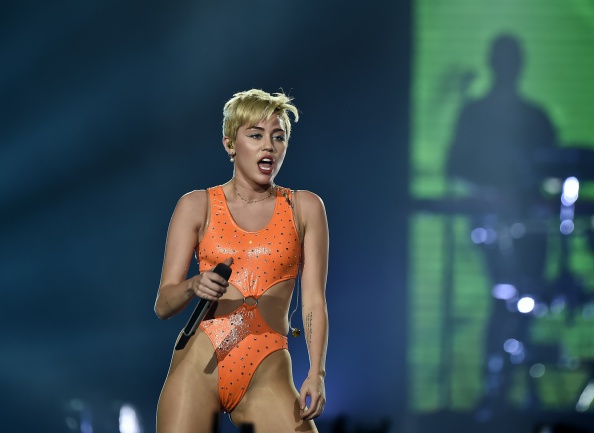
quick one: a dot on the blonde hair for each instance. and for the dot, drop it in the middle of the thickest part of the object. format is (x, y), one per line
(251, 106)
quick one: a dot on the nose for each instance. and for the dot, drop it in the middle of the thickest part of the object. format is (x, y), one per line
(268, 145)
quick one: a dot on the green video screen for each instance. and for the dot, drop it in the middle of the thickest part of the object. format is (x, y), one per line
(463, 65)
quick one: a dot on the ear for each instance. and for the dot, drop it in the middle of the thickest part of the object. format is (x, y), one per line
(228, 144)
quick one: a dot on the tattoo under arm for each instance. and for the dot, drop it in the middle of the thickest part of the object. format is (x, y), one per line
(308, 327)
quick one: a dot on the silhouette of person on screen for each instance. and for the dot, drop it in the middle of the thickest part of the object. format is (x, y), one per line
(494, 145)
(497, 136)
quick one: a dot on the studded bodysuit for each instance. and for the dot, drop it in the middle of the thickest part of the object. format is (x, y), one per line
(242, 339)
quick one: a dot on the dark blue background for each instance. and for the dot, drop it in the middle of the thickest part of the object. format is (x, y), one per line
(112, 110)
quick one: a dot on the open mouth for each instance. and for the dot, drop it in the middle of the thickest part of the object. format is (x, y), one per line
(265, 165)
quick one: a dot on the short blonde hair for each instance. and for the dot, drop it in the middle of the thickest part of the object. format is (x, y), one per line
(251, 106)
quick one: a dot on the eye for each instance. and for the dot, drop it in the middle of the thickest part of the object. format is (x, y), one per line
(255, 136)
(279, 138)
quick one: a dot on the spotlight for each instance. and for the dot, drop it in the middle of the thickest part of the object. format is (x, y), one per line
(504, 291)
(571, 188)
(526, 304)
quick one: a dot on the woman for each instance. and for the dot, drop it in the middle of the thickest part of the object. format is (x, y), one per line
(238, 361)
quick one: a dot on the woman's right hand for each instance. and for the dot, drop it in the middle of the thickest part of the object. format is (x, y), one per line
(209, 285)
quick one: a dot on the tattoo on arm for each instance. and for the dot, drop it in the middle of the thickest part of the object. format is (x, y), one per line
(308, 327)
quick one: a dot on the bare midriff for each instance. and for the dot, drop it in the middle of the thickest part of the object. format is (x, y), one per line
(273, 304)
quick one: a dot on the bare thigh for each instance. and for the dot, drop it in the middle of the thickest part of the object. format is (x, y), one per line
(189, 401)
(271, 403)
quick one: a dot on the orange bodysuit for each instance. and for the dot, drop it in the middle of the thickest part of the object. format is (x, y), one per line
(261, 259)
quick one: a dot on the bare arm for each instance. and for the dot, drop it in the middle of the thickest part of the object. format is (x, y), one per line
(175, 289)
(315, 313)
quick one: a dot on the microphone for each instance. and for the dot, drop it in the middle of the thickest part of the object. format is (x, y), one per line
(201, 309)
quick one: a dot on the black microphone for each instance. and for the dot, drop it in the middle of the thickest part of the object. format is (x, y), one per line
(201, 309)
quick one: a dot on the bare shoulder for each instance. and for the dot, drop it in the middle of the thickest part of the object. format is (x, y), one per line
(311, 204)
(194, 199)
(192, 206)
(308, 198)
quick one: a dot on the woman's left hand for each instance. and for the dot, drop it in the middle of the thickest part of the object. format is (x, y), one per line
(314, 388)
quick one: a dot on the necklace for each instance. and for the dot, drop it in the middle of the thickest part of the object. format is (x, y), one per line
(253, 201)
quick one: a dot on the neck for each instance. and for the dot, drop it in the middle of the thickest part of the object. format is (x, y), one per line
(252, 193)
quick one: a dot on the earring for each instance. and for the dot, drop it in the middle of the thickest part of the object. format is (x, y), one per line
(231, 155)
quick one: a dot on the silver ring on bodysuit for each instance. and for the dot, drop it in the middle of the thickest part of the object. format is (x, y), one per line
(250, 297)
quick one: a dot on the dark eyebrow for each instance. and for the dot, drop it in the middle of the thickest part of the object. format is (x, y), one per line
(259, 128)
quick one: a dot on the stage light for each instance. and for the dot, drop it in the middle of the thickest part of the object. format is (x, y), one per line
(558, 304)
(537, 370)
(478, 235)
(129, 422)
(515, 349)
(517, 230)
(566, 213)
(571, 188)
(566, 227)
(512, 345)
(504, 291)
(552, 185)
(586, 398)
(526, 304)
